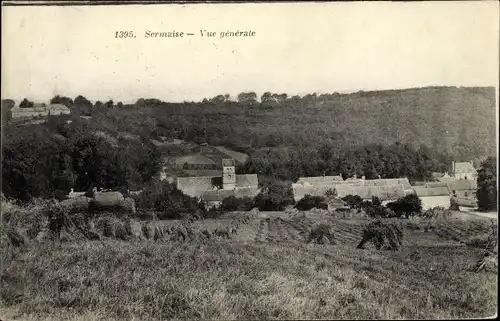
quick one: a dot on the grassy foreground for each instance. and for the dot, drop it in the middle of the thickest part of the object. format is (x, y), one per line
(145, 280)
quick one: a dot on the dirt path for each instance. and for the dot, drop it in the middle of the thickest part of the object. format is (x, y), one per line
(471, 214)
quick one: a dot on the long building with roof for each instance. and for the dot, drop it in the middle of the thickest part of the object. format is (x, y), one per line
(385, 189)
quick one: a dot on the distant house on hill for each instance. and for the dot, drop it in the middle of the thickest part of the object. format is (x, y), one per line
(39, 110)
(213, 189)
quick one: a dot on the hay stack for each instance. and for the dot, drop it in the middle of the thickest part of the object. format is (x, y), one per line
(322, 233)
(11, 236)
(383, 235)
(108, 199)
(128, 205)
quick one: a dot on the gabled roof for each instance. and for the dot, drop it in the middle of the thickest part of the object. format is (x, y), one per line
(58, 107)
(246, 192)
(385, 192)
(462, 185)
(247, 180)
(464, 167)
(194, 159)
(318, 179)
(436, 184)
(335, 201)
(195, 186)
(431, 191)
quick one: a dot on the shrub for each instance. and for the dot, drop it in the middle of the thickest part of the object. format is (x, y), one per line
(233, 203)
(408, 205)
(321, 233)
(309, 202)
(165, 198)
(376, 209)
(274, 198)
(483, 241)
(437, 212)
(454, 204)
(354, 201)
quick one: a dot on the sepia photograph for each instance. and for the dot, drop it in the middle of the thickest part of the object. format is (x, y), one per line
(249, 161)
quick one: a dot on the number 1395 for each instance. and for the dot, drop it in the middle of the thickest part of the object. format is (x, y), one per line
(124, 34)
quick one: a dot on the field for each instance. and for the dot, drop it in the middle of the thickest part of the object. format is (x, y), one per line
(265, 271)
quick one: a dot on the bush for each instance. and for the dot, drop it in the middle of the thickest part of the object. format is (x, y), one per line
(233, 203)
(321, 233)
(408, 205)
(274, 198)
(484, 241)
(354, 201)
(309, 202)
(376, 209)
(437, 212)
(165, 198)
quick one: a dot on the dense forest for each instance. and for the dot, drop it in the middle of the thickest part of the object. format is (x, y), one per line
(394, 133)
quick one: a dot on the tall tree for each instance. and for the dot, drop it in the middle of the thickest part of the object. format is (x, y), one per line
(487, 185)
(66, 101)
(26, 103)
(249, 98)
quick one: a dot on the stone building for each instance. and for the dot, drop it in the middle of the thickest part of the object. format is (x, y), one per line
(213, 189)
(464, 170)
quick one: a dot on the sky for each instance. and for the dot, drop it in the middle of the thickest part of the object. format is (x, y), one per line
(298, 48)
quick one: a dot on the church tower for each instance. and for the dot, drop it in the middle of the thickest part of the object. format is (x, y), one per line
(228, 174)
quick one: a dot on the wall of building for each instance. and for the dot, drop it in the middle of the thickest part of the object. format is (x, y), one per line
(433, 201)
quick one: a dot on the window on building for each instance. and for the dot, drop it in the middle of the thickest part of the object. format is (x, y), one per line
(465, 193)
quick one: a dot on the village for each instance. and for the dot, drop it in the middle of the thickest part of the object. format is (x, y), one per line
(259, 161)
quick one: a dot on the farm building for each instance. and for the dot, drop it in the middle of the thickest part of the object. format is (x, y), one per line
(462, 188)
(464, 170)
(335, 203)
(433, 196)
(39, 110)
(213, 189)
(320, 179)
(384, 192)
(387, 189)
